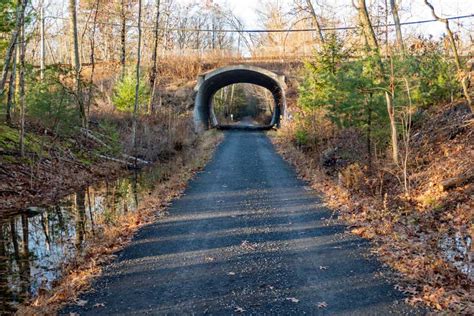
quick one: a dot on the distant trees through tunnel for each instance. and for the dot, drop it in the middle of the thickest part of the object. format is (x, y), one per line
(245, 103)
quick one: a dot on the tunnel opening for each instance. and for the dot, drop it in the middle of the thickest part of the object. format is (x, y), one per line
(243, 105)
(210, 83)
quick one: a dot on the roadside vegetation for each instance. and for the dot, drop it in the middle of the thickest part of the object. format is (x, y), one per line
(389, 141)
(113, 230)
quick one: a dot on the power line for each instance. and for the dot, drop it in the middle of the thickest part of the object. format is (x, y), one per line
(341, 28)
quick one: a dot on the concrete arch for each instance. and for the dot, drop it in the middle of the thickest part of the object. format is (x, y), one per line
(209, 83)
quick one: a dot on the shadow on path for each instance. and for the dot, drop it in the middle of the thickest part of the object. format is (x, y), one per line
(246, 236)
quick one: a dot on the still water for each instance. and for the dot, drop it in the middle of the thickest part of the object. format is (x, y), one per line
(36, 243)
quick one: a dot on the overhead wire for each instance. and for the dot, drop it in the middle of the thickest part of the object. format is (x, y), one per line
(340, 28)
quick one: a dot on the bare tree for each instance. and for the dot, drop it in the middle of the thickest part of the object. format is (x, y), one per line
(92, 56)
(42, 41)
(398, 28)
(315, 20)
(372, 42)
(76, 61)
(154, 56)
(137, 85)
(11, 88)
(22, 50)
(11, 46)
(123, 35)
(461, 73)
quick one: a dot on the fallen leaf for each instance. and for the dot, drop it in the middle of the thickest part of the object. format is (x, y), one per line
(248, 245)
(292, 299)
(81, 302)
(239, 309)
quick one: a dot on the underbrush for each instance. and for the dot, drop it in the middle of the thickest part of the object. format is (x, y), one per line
(112, 236)
(159, 135)
(57, 164)
(424, 233)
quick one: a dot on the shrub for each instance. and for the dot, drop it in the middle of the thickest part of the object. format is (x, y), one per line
(347, 91)
(301, 137)
(52, 103)
(432, 77)
(123, 96)
(111, 135)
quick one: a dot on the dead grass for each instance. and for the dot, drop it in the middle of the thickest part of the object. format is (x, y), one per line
(100, 250)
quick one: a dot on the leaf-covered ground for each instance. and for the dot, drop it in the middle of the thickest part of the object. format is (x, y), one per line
(50, 168)
(426, 235)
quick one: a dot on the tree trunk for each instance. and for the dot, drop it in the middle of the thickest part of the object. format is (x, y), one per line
(123, 37)
(22, 49)
(369, 130)
(137, 86)
(92, 58)
(12, 44)
(154, 56)
(42, 45)
(463, 78)
(231, 103)
(76, 62)
(367, 27)
(316, 21)
(398, 28)
(393, 126)
(11, 88)
(374, 47)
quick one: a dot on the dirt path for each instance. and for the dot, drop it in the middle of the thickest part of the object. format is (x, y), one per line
(247, 237)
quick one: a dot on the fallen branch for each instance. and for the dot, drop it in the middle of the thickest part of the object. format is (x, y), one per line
(136, 159)
(116, 160)
(455, 182)
(89, 135)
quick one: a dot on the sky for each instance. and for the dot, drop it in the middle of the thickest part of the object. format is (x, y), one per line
(412, 10)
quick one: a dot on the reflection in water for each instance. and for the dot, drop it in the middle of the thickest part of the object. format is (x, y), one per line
(36, 243)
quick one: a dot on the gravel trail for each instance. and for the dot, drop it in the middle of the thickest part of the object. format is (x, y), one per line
(247, 237)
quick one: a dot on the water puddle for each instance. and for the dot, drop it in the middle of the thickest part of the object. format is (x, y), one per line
(37, 243)
(457, 250)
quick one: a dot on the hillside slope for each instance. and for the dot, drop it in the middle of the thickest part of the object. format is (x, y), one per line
(426, 235)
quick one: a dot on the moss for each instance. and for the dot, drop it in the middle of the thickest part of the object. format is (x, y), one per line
(8, 159)
(9, 138)
(10, 141)
(84, 158)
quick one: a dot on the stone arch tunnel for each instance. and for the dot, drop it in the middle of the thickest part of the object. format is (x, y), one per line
(209, 83)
